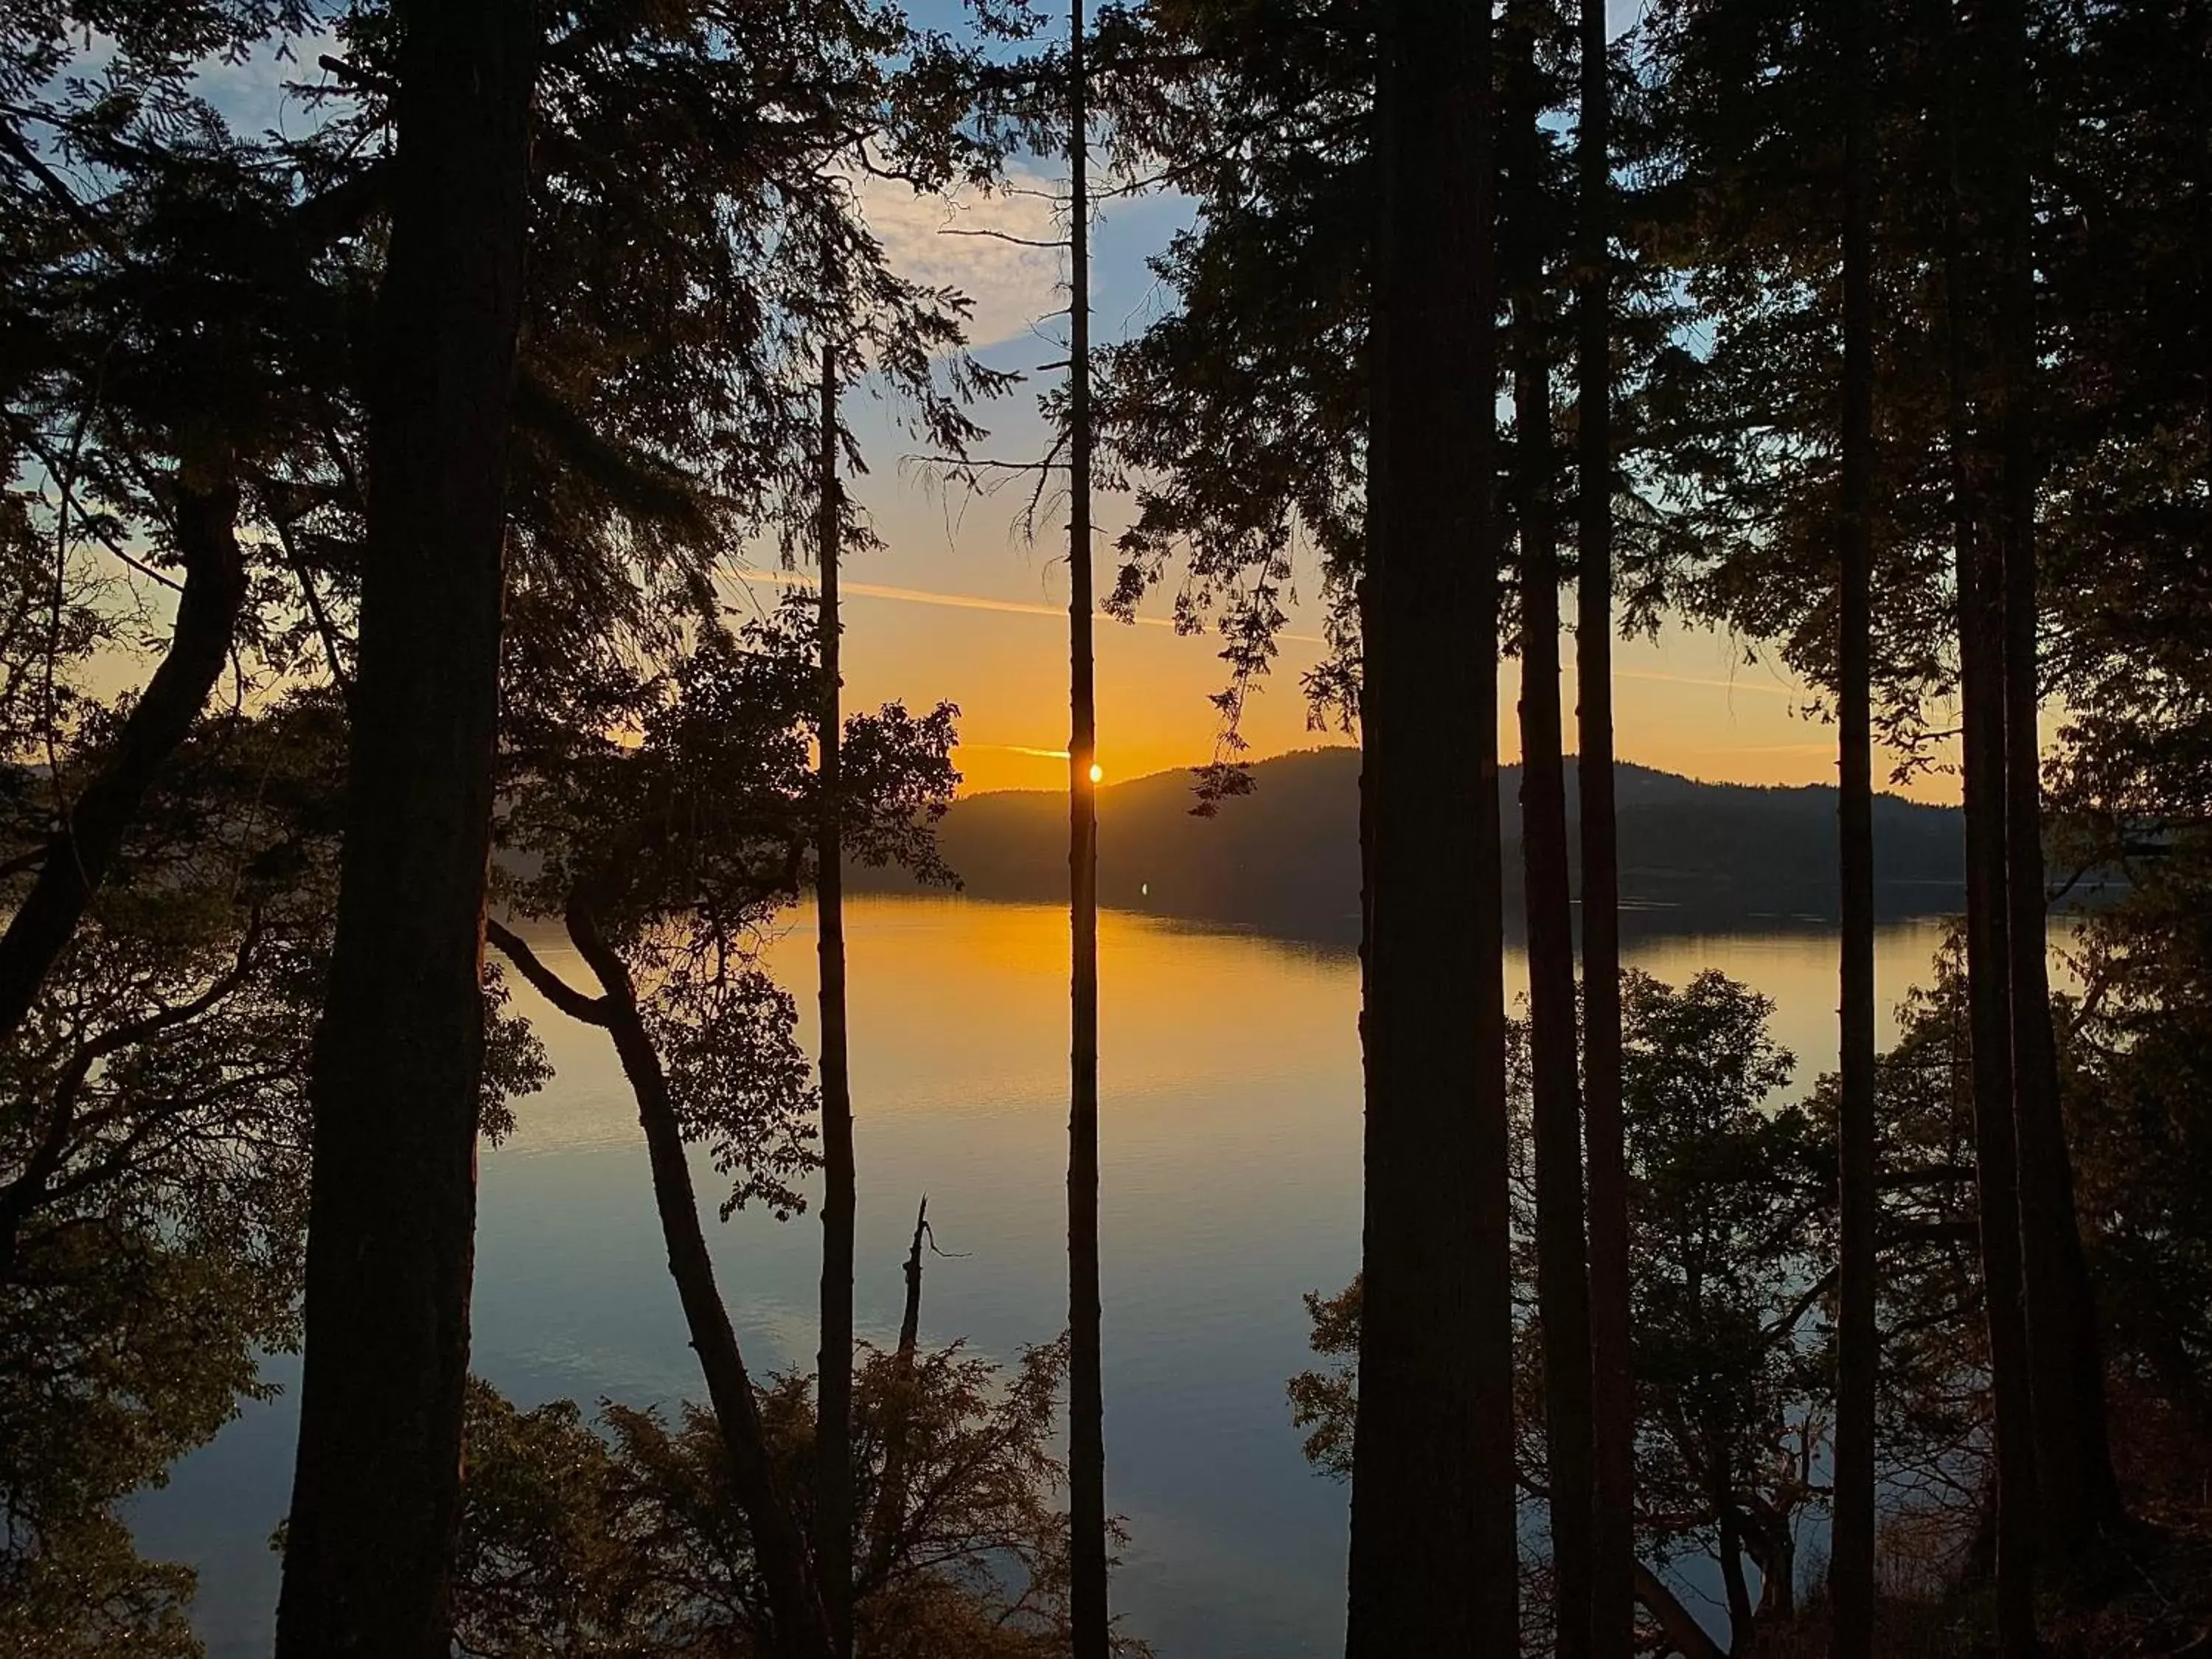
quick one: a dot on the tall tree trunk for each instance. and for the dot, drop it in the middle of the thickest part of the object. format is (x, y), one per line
(2081, 1497)
(1086, 1402)
(802, 1628)
(1851, 1561)
(84, 849)
(833, 1426)
(1562, 1270)
(1981, 697)
(1433, 1548)
(398, 1059)
(1613, 1607)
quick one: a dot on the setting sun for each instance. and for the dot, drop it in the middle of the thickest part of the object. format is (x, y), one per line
(1097, 772)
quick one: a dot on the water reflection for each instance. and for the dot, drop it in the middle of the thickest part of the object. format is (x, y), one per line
(1230, 1142)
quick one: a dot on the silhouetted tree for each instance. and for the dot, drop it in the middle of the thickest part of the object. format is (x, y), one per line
(1851, 1555)
(1562, 1269)
(833, 1478)
(1981, 692)
(1432, 1512)
(2081, 1501)
(399, 1055)
(661, 861)
(1087, 1409)
(1612, 1394)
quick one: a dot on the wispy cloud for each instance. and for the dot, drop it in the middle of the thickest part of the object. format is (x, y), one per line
(979, 244)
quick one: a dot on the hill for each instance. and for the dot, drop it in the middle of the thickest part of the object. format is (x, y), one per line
(1285, 859)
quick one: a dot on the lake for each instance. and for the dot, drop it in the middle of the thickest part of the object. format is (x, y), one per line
(1229, 1074)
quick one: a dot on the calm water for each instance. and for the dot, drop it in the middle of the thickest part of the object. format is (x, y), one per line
(1230, 1070)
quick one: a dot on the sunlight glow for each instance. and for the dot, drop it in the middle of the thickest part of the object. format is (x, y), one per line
(1097, 772)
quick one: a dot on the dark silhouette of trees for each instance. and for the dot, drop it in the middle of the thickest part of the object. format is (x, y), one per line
(399, 1056)
(1432, 1513)
(1087, 1407)
(1851, 1553)
(84, 847)
(833, 1478)
(2081, 1496)
(661, 861)
(1612, 1394)
(626, 1532)
(1561, 1257)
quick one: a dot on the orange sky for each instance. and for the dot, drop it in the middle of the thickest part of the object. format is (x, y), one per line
(959, 608)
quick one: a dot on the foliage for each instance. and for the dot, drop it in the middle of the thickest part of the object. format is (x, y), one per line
(153, 1158)
(626, 1538)
(678, 843)
(1732, 1197)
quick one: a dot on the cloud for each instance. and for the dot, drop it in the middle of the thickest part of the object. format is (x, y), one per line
(933, 238)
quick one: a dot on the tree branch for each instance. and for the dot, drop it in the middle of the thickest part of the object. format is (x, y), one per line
(593, 1010)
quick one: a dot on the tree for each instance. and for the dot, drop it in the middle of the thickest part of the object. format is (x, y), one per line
(1432, 1510)
(833, 1532)
(2082, 1499)
(1727, 1198)
(1852, 1558)
(1613, 1404)
(662, 860)
(1087, 1407)
(163, 366)
(391, 1230)
(1562, 1270)
(580, 1538)
(154, 1165)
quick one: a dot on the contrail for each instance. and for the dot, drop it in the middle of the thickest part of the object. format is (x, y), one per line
(1022, 608)
(969, 601)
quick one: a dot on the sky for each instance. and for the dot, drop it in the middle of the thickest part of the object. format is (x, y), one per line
(958, 607)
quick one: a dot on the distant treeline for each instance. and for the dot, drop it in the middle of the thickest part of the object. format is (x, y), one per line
(1285, 859)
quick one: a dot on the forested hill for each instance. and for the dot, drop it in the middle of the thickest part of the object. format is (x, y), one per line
(1285, 859)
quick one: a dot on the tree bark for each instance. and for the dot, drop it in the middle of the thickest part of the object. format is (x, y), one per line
(1562, 1269)
(1851, 1562)
(84, 849)
(802, 1629)
(398, 1059)
(1433, 1548)
(833, 1425)
(2081, 1497)
(1981, 697)
(1613, 1610)
(1088, 1611)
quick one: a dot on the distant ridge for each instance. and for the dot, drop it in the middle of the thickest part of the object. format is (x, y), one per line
(1285, 859)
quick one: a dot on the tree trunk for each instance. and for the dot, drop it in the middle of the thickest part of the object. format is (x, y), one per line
(889, 1512)
(802, 1629)
(1684, 1634)
(1613, 1609)
(1562, 1270)
(1851, 1562)
(1733, 1582)
(833, 1425)
(2080, 1494)
(1086, 1406)
(1981, 697)
(1433, 1549)
(82, 852)
(399, 1055)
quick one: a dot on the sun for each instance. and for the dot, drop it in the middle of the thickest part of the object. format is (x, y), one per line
(1097, 773)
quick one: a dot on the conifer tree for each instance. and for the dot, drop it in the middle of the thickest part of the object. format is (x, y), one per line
(399, 1054)
(1433, 1548)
